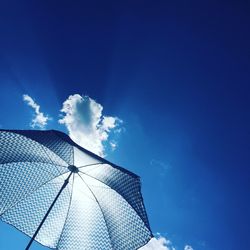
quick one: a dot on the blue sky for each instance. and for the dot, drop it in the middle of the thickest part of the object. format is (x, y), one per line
(176, 74)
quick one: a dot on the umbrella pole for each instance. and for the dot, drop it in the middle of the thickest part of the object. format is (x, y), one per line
(46, 215)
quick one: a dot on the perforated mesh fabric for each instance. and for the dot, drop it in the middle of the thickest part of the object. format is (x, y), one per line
(101, 207)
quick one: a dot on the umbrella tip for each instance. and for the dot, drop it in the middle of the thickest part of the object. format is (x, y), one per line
(73, 169)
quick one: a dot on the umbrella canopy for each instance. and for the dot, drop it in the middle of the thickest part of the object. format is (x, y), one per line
(97, 205)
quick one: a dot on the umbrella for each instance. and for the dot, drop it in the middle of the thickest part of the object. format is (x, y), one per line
(65, 197)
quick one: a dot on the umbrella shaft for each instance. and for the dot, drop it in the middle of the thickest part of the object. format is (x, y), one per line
(50, 208)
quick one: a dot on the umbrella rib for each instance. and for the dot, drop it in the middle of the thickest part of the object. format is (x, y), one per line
(118, 194)
(95, 164)
(60, 237)
(88, 165)
(30, 193)
(99, 205)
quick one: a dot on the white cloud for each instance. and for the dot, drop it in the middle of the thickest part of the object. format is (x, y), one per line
(187, 247)
(113, 145)
(159, 243)
(40, 120)
(87, 126)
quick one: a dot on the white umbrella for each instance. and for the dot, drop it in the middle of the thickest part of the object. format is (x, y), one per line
(65, 197)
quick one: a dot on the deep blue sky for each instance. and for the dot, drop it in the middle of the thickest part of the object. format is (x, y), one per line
(177, 74)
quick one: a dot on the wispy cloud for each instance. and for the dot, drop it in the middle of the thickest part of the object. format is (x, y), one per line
(187, 247)
(161, 166)
(86, 124)
(40, 120)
